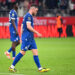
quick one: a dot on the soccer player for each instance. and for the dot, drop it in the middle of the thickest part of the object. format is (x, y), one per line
(59, 21)
(28, 42)
(13, 28)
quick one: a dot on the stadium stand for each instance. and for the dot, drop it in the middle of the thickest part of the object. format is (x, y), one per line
(45, 22)
(46, 7)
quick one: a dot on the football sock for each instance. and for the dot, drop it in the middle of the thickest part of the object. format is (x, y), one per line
(17, 58)
(12, 66)
(13, 53)
(36, 59)
(10, 50)
(40, 68)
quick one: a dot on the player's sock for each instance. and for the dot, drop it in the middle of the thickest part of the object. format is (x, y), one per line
(13, 53)
(36, 59)
(12, 66)
(10, 50)
(17, 58)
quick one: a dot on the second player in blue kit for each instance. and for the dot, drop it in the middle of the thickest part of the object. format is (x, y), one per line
(28, 42)
(13, 28)
(13, 36)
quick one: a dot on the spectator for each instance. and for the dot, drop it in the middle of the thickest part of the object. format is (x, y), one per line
(63, 4)
(3, 8)
(72, 7)
(40, 11)
(26, 5)
(21, 8)
(51, 4)
(46, 7)
(40, 0)
(73, 1)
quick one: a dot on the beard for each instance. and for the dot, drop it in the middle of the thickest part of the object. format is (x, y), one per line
(16, 8)
(33, 14)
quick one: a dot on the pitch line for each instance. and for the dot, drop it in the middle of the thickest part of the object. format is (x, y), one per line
(10, 74)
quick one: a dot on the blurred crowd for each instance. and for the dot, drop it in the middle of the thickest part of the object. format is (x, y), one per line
(47, 8)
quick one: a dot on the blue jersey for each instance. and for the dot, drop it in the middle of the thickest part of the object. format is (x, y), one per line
(13, 15)
(28, 42)
(27, 34)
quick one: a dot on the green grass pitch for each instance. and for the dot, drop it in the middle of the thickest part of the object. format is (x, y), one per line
(55, 53)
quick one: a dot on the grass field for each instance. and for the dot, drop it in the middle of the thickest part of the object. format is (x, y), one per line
(55, 53)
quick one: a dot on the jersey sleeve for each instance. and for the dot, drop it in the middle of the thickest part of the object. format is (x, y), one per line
(12, 15)
(28, 19)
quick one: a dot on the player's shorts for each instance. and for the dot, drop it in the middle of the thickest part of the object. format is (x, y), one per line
(28, 45)
(14, 37)
(60, 30)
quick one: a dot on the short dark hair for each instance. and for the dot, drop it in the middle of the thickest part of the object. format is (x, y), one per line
(13, 4)
(36, 6)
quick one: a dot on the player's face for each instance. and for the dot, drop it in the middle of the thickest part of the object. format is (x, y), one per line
(16, 6)
(35, 11)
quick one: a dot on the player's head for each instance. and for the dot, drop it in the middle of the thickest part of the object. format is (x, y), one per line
(58, 14)
(15, 5)
(34, 9)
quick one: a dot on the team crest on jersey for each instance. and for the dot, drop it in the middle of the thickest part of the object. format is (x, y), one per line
(12, 14)
(29, 18)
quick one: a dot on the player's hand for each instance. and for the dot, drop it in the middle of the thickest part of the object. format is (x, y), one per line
(39, 35)
(20, 41)
(16, 32)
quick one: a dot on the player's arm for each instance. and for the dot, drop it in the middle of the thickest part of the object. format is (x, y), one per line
(21, 29)
(21, 32)
(12, 17)
(29, 27)
(13, 23)
(61, 21)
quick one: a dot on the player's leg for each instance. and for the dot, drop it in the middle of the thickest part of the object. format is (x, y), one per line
(17, 43)
(18, 57)
(14, 45)
(22, 52)
(34, 50)
(16, 60)
(36, 58)
(7, 53)
(13, 50)
(60, 32)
